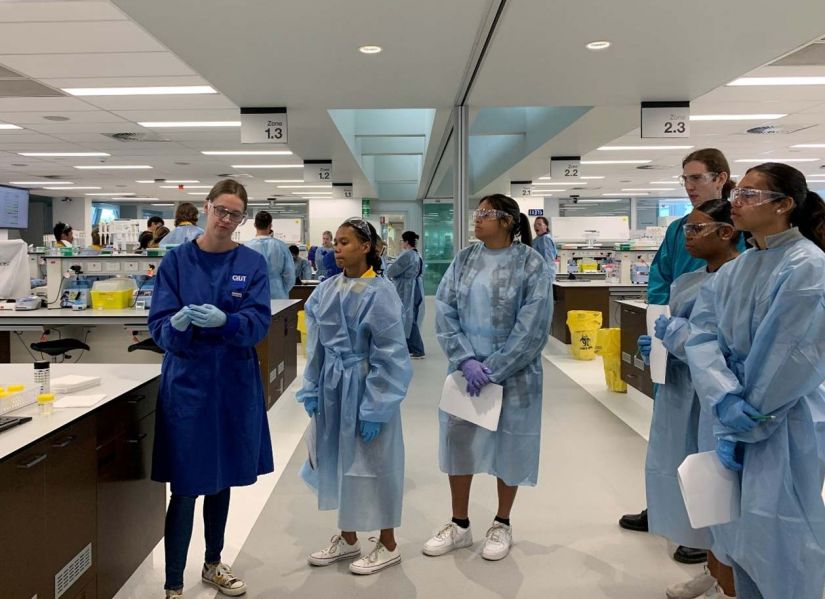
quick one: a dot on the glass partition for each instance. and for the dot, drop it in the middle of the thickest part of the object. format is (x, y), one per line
(438, 241)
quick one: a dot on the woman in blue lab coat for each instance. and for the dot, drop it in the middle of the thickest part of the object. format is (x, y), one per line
(406, 273)
(209, 309)
(493, 311)
(357, 374)
(186, 227)
(674, 430)
(757, 356)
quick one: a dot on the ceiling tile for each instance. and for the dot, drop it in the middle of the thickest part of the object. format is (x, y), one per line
(36, 118)
(11, 12)
(124, 81)
(82, 37)
(115, 64)
(194, 102)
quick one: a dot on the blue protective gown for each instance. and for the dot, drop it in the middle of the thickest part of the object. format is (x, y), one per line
(181, 234)
(211, 428)
(303, 270)
(358, 368)
(671, 262)
(675, 424)
(279, 265)
(545, 246)
(758, 331)
(406, 273)
(320, 265)
(495, 306)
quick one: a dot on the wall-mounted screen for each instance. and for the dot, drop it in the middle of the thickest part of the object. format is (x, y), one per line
(14, 208)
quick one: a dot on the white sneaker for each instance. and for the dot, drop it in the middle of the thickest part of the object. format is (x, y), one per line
(220, 576)
(376, 560)
(451, 536)
(716, 592)
(338, 549)
(692, 588)
(174, 594)
(497, 545)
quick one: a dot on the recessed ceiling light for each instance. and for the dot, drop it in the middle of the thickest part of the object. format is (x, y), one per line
(598, 201)
(642, 148)
(623, 194)
(9, 126)
(752, 81)
(67, 154)
(247, 153)
(141, 199)
(737, 117)
(370, 49)
(113, 167)
(185, 124)
(808, 146)
(41, 183)
(598, 45)
(593, 177)
(62, 187)
(259, 204)
(561, 183)
(181, 181)
(164, 204)
(245, 166)
(662, 182)
(772, 159)
(283, 180)
(140, 91)
(329, 197)
(186, 186)
(111, 193)
(145, 181)
(649, 189)
(616, 161)
(312, 192)
(327, 186)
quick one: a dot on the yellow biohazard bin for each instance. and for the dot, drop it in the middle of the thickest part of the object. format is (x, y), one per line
(584, 325)
(302, 328)
(609, 347)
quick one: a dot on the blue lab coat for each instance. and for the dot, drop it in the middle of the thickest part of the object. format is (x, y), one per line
(358, 368)
(320, 263)
(496, 306)
(279, 265)
(406, 273)
(303, 270)
(211, 428)
(545, 246)
(758, 332)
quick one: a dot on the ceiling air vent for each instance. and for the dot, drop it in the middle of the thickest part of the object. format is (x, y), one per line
(655, 167)
(234, 176)
(776, 129)
(136, 137)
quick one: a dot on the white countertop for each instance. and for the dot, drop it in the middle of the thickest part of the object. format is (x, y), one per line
(634, 304)
(596, 284)
(116, 379)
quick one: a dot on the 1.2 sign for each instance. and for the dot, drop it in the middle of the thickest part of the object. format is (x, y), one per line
(263, 126)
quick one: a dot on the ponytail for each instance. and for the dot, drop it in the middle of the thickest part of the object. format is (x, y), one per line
(727, 188)
(524, 229)
(810, 218)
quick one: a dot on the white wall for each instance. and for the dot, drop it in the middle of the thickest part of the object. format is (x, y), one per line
(327, 215)
(77, 213)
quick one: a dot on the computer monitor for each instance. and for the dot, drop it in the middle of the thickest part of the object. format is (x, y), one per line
(14, 207)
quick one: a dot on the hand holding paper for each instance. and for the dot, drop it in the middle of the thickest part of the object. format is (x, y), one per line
(483, 410)
(658, 353)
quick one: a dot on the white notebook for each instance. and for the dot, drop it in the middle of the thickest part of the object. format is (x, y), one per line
(711, 492)
(483, 410)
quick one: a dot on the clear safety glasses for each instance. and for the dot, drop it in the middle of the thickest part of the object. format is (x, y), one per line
(361, 225)
(697, 179)
(236, 218)
(702, 229)
(486, 214)
(747, 196)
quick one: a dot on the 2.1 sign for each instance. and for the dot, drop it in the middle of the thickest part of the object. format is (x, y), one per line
(263, 126)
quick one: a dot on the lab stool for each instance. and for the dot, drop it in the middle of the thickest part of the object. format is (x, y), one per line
(59, 347)
(147, 344)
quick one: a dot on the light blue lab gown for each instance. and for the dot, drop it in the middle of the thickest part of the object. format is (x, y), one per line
(544, 245)
(279, 265)
(181, 234)
(495, 306)
(320, 255)
(358, 368)
(675, 424)
(406, 274)
(303, 270)
(758, 331)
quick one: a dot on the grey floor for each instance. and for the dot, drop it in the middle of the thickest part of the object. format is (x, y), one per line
(567, 541)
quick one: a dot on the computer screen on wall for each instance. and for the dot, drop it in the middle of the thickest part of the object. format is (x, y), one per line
(14, 208)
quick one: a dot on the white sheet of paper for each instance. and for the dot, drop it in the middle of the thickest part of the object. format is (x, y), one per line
(78, 401)
(311, 441)
(483, 410)
(711, 492)
(658, 353)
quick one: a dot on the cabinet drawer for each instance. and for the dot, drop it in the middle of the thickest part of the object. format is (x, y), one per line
(122, 415)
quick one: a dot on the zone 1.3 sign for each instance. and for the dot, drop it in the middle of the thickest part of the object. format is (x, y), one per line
(665, 119)
(263, 126)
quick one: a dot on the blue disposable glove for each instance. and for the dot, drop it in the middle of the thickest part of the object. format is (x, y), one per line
(311, 406)
(737, 414)
(182, 319)
(207, 316)
(660, 326)
(477, 375)
(369, 430)
(726, 450)
(643, 345)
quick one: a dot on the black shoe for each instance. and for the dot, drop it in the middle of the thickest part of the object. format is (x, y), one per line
(637, 522)
(689, 555)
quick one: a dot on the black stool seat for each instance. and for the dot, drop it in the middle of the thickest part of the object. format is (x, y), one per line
(147, 345)
(59, 347)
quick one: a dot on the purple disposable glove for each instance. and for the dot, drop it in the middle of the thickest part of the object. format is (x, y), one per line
(477, 375)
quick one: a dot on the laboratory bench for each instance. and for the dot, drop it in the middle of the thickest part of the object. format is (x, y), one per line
(302, 292)
(599, 296)
(634, 323)
(81, 510)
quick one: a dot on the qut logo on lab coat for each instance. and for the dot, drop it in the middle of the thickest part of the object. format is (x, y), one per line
(238, 282)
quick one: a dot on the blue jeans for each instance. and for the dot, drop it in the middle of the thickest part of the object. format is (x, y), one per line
(415, 344)
(179, 520)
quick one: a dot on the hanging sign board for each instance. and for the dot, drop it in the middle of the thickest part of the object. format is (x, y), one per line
(263, 126)
(535, 212)
(521, 189)
(565, 167)
(665, 119)
(317, 171)
(342, 191)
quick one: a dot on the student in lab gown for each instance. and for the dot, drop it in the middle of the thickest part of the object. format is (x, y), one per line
(210, 307)
(358, 370)
(543, 243)
(279, 264)
(186, 228)
(493, 309)
(406, 273)
(757, 356)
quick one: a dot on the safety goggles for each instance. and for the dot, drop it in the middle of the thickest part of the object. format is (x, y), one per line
(702, 229)
(236, 218)
(360, 224)
(747, 196)
(697, 179)
(487, 213)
